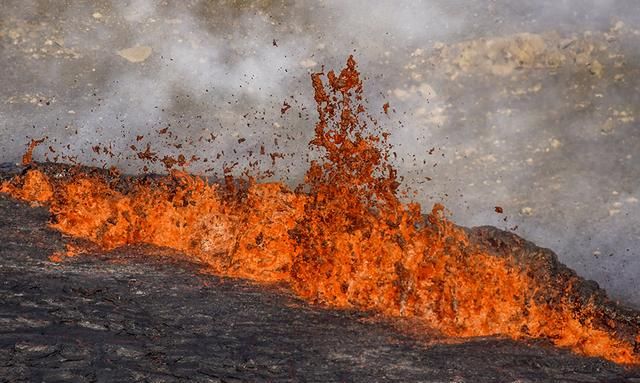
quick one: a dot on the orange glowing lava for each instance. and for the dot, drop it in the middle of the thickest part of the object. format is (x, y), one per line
(28, 155)
(343, 240)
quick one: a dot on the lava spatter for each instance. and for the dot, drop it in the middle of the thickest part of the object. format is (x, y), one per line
(27, 158)
(343, 240)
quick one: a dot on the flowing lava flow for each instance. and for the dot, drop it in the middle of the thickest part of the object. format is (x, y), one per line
(343, 239)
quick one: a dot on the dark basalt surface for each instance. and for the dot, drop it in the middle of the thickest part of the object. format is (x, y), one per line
(130, 315)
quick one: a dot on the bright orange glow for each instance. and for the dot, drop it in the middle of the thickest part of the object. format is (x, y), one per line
(346, 241)
(27, 158)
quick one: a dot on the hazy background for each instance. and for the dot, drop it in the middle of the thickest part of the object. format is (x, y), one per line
(530, 106)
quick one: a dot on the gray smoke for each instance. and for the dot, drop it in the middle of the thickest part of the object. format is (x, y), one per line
(529, 106)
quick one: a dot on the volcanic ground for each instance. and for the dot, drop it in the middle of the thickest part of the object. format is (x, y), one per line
(523, 109)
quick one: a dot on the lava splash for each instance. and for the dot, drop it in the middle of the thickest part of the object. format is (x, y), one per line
(343, 239)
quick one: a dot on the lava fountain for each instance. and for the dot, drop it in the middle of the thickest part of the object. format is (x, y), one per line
(343, 239)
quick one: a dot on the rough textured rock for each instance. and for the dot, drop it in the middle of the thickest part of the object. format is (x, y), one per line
(129, 315)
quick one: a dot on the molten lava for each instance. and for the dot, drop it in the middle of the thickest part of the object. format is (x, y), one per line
(343, 240)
